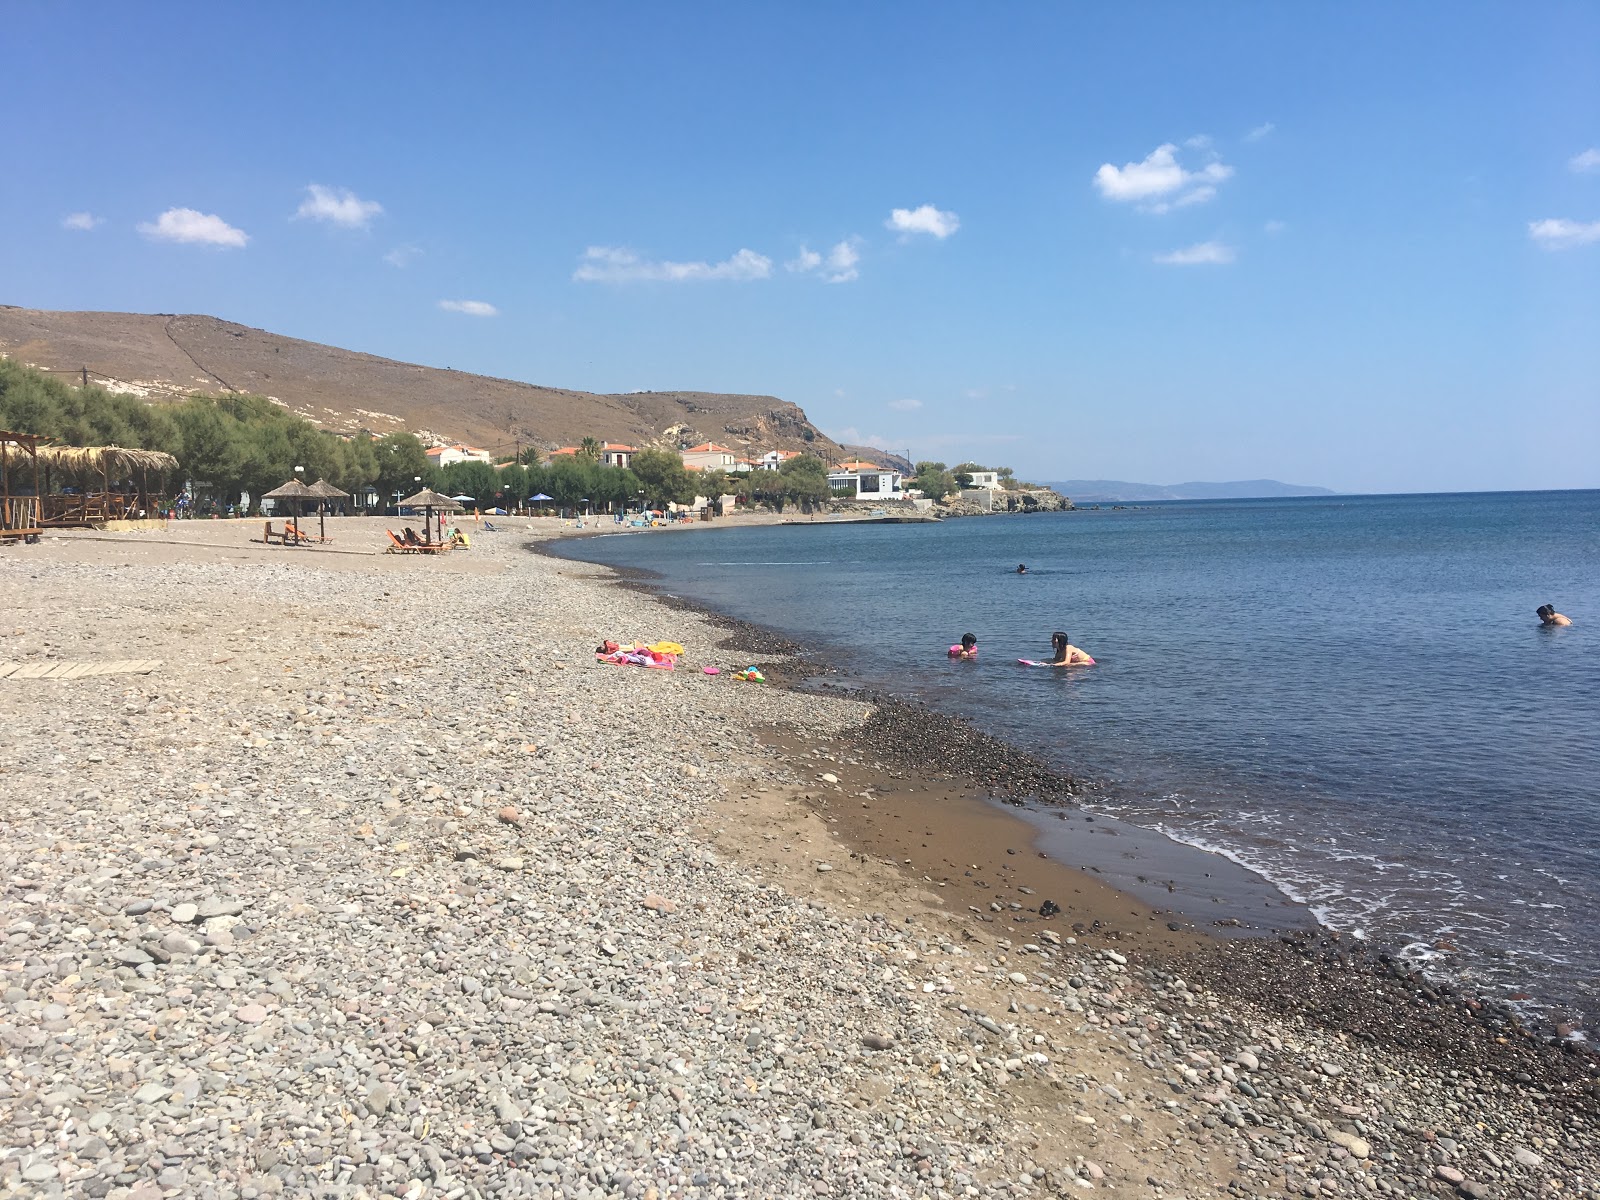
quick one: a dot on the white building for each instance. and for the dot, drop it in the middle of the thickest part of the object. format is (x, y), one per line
(986, 479)
(772, 459)
(443, 456)
(865, 481)
(708, 456)
(614, 454)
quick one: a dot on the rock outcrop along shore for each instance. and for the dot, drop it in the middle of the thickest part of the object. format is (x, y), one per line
(379, 885)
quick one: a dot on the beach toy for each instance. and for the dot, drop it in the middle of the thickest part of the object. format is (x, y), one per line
(667, 648)
(711, 670)
(750, 675)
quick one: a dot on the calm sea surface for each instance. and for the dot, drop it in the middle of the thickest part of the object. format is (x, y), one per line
(1350, 696)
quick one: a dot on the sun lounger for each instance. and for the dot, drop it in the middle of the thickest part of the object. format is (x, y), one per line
(397, 545)
(269, 536)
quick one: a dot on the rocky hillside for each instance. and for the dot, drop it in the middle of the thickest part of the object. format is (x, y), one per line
(161, 357)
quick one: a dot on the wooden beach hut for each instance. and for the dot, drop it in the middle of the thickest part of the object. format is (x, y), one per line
(19, 485)
(114, 483)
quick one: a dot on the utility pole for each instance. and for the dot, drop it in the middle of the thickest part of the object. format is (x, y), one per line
(85, 376)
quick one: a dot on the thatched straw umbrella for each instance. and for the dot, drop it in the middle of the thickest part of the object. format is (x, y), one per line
(296, 491)
(428, 500)
(325, 491)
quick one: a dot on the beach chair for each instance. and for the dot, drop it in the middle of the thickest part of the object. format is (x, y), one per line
(398, 546)
(268, 536)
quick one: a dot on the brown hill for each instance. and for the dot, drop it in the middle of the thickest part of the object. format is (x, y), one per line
(161, 357)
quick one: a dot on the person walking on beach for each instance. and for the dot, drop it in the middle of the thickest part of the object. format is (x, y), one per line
(1065, 654)
(1549, 616)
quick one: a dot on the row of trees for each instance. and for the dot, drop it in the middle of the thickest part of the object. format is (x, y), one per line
(232, 444)
(225, 444)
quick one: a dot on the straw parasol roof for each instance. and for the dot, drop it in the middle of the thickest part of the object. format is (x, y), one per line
(104, 460)
(292, 490)
(324, 490)
(428, 498)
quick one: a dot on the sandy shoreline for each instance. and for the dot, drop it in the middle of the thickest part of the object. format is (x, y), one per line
(488, 919)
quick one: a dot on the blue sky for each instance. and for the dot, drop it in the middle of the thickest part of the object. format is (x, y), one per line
(1355, 245)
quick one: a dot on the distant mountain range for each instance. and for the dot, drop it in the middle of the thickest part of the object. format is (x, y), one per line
(1116, 491)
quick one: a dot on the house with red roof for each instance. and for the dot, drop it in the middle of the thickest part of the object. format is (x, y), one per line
(708, 456)
(443, 456)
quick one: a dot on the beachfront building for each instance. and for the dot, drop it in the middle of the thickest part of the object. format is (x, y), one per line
(708, 456)
(988, 480)
(865, 481)
(614, 454)
(772, 459)
(443, 456)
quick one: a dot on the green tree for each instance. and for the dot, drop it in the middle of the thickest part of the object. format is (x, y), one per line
(476, 479)
(804, 480)
(590, 448)
(400, 458)
(664, 477)
(934, 480)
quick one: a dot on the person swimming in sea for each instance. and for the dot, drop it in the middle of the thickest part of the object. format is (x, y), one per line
(967, 648)
(1549, 616)
(1065, 654)
(1022, 568)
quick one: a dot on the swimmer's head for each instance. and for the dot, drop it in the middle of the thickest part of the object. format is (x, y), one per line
(1059, 639)
(968, 641)
(1544, 611)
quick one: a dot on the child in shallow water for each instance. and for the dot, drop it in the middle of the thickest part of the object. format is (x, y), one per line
(966, 648)
(1066, 654)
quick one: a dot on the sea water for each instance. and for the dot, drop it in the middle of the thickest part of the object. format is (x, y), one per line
(1351, 696)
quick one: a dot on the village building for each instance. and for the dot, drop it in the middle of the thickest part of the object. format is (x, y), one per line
(989, 480)
(614, 454)
(708, 456)
(772, 459)
(865, 481)
(444, 456)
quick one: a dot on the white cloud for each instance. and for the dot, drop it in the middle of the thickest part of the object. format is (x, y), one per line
(1200, 254)
(187, 225)
(806, 260)
(841, 264)
(339, 206)
(838, 266)
(851, 436)
(403, 256)
(615, 264)
(1560, 234)
(81, 220)
(1274, 228)
(1585, 162)
(473, 308)
(907, 405)
(925, 219)
(1259, 132)
(1161, 175)
(1200, 141)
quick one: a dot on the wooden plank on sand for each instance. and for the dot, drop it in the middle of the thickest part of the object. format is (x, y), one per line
(8, 668)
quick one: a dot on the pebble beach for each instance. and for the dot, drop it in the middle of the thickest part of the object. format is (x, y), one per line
(378, 884)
